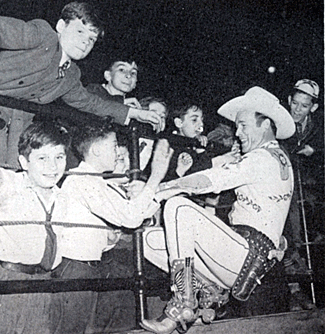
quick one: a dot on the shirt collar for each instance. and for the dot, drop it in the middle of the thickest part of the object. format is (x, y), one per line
(84, 167)
(270, 144)
(304, 122)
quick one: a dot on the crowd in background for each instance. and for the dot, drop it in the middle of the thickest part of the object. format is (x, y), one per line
(99, 215)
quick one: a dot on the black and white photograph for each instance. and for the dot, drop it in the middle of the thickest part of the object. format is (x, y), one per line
(162, 167)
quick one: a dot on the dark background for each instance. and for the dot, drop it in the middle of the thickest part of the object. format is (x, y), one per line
(209, 51)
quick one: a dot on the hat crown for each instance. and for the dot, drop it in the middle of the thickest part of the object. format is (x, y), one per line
(259, 94)
(307, 86)
(257, 99)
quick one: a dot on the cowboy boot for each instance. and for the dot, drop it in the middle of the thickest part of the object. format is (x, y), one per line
(182, 308)
(211, 297)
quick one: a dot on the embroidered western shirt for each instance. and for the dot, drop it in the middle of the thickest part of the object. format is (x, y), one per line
(263, 183)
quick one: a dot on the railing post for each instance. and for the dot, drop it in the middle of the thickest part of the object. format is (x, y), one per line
(138, 258)
(304, 221)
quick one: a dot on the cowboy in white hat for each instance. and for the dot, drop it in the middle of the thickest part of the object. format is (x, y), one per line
(208, 258)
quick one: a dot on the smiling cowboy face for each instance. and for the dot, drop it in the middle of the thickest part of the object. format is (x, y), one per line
(249, 133)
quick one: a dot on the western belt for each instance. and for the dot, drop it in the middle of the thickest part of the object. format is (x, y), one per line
(89, 263)
(30, 269)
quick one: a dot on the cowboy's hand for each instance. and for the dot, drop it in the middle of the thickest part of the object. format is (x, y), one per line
(161, 158)
(307, 151)
(184, 163)
(146, 116)
(132, 102)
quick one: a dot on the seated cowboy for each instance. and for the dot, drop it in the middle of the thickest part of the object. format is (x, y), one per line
(208, 258)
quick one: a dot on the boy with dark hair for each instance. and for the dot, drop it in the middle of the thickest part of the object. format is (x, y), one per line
(31, 249)
(37, 65)
(121, 77)
(103, 204)
(188, 122)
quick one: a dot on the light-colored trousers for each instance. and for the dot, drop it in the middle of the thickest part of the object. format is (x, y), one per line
(191, 231)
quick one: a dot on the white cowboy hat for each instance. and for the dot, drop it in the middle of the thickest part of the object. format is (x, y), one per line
(257, 99)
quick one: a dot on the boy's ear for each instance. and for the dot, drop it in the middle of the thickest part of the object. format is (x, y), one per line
(314, 107)
(94, 149)
(23, 162)
(289, 99)
(60, 25)
(178, 122)
(107, 75)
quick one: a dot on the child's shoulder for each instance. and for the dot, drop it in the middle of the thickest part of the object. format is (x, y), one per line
(9, 177)
(96, 88)
(99, 90)
(41, 23)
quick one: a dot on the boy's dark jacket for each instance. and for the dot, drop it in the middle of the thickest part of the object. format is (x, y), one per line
(313, 135)
(29, 62)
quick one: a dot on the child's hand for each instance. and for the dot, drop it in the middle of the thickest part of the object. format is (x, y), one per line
(161, 158)
(123, 160)
(132, 102)
(307, 151)
(184, 163)
(235, 151)
(134, 188)
(113, 236)
(203, 140)
(146, 116)
(235, 148)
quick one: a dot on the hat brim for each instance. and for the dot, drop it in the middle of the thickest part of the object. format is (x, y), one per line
(280, 116)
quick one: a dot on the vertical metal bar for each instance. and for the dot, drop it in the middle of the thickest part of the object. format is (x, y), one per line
(140, 296)
(138, 258)
(301, 195)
